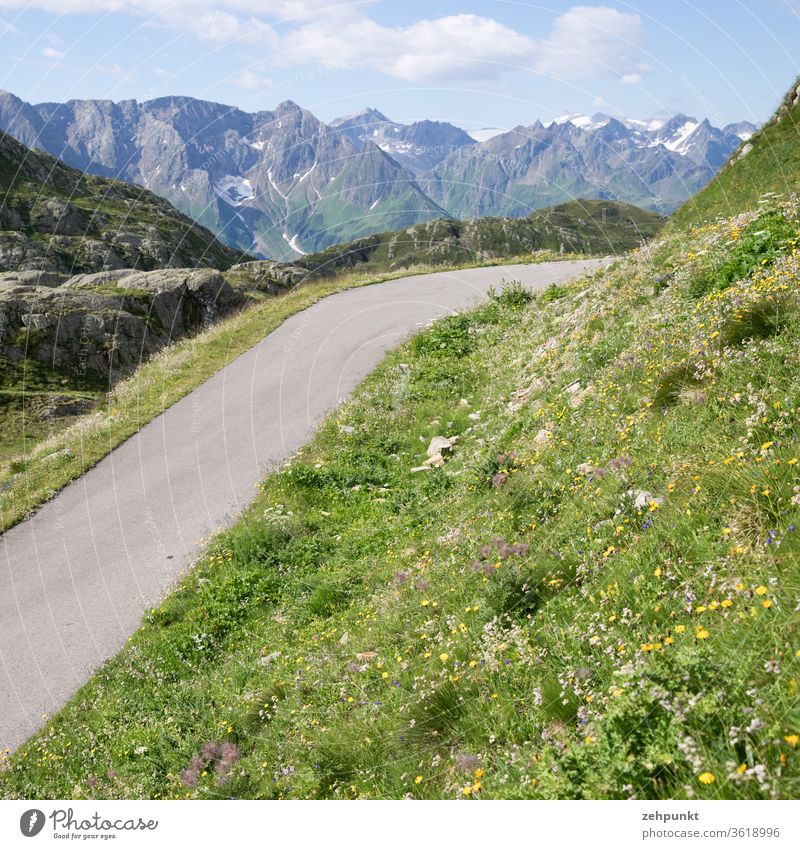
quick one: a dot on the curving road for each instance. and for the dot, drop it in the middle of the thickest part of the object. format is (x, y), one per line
(77, 576)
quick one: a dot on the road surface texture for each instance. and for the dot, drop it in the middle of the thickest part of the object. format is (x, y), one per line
(77, 576)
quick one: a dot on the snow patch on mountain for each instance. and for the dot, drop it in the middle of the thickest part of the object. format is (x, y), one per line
(234, 190)
(292, 242)
(485, 133)
(679, 142)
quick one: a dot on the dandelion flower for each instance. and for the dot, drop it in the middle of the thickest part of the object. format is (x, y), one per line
(706, 778)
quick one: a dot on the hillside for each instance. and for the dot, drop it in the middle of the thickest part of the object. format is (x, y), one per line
(548, 550)
(579, 227)
(767, 164)
(56, 219)
(371, 192)
(96, 275)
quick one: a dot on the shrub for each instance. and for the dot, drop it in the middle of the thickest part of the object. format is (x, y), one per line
(512, 296)
(554, 292)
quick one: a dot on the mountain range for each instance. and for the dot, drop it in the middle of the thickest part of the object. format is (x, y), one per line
(282, 183)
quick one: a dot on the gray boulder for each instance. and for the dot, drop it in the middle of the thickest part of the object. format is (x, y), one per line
(83, 329)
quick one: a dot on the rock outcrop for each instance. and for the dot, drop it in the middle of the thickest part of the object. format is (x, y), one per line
(97, 328)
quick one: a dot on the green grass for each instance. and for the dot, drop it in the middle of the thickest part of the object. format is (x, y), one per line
(771, 171)
(513, 624)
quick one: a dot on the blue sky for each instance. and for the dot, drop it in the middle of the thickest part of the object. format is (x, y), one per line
(476, 64)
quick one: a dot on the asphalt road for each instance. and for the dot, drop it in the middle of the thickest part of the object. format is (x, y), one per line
(76, 578)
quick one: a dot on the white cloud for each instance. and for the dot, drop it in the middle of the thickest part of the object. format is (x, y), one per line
(631, 79)
(115, 70)
(252, 82)
(215, 20)
(456, 45)
(52, 53)
(591, 41)
(585, 41)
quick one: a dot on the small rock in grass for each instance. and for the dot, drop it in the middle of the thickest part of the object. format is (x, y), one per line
(439, 445)
(642, 498)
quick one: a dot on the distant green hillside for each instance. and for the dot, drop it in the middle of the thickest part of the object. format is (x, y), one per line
(769, 162)
(56, 219)
(583, 226)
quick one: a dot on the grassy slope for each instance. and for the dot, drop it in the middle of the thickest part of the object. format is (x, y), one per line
(30, 178)
(27, 479)
(773, 166)
(588, 227)
(511, 624)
